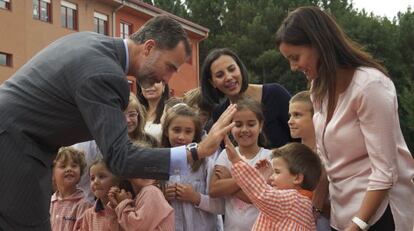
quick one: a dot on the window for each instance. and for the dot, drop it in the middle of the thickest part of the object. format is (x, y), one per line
(41, 10)
(68, 15)
(100, 23)
(5, 59)
(126, 29)
(5, 4)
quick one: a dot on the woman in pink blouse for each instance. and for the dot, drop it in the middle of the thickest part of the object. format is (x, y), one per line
(358, 135)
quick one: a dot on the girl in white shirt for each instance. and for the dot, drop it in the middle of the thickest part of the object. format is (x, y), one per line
(240, 214)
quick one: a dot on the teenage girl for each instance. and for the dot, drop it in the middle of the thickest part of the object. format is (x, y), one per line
(187, 193)
(240, 214)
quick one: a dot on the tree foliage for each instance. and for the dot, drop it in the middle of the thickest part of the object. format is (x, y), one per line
(249, 27)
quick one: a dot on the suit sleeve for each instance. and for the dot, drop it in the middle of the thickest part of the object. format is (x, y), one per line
(101, 100)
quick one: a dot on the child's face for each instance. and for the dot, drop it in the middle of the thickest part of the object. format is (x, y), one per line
(131, 116)
(181, 131)
(247, 128)
(66, 173)
(101, 180)
(282, 178)
(300, 121)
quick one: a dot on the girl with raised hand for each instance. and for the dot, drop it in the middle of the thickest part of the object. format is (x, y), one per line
(240, 214)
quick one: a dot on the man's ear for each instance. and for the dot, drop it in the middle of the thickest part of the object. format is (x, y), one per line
(298, 179)
(148, 46)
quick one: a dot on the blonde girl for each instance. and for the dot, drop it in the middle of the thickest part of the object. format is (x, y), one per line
(188, 193)
(135, 115)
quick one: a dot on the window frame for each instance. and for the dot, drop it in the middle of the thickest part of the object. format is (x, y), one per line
(122, 26)
(74, 8)
(99, 17)
(39, 10)
(7, 5)
(9, 59)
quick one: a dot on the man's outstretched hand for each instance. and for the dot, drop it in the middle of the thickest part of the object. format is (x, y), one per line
(217, 133)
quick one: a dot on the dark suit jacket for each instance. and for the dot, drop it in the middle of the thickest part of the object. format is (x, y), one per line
(72, 91)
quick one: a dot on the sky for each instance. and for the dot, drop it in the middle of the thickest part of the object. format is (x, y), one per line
(388, 8)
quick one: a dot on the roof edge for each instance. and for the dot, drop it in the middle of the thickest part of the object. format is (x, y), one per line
(154, 11)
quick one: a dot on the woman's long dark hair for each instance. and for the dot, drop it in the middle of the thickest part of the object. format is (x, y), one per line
(160, 107)
(314, 27)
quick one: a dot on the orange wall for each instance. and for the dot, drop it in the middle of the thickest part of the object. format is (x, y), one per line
(22, 36)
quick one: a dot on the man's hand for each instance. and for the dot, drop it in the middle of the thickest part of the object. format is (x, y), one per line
(219, 130)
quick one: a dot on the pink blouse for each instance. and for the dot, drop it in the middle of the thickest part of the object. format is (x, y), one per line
(363, 149)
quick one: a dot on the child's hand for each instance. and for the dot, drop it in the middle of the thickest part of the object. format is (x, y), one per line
(232, 154)
(265, 168)
(186, 192)
(170, 192)
(222, 172)
(123, 195)
(112, 193)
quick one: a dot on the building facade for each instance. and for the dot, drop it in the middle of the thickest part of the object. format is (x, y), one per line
(27, 26)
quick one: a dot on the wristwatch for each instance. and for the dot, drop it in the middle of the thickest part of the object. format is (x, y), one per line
(192, 148)
(360, 223)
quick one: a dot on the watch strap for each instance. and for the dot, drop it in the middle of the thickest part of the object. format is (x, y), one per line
(192, 147)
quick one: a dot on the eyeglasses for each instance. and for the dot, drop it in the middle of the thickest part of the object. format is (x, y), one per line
(131, 115)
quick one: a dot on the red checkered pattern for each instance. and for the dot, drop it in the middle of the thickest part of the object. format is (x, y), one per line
(279, 209)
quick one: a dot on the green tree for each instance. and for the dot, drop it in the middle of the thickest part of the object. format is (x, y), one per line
(249, 27)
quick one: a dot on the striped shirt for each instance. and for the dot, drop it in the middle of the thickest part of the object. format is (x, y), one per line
(64, 212)
(149, 212)
(99, 217)
(279, 209)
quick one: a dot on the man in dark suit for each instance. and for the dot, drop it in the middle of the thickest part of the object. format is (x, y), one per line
(76, 90)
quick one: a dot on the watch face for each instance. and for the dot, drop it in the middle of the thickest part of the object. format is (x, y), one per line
(192, 145)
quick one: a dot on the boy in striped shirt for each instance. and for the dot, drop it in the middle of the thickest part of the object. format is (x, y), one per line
(286, 203)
